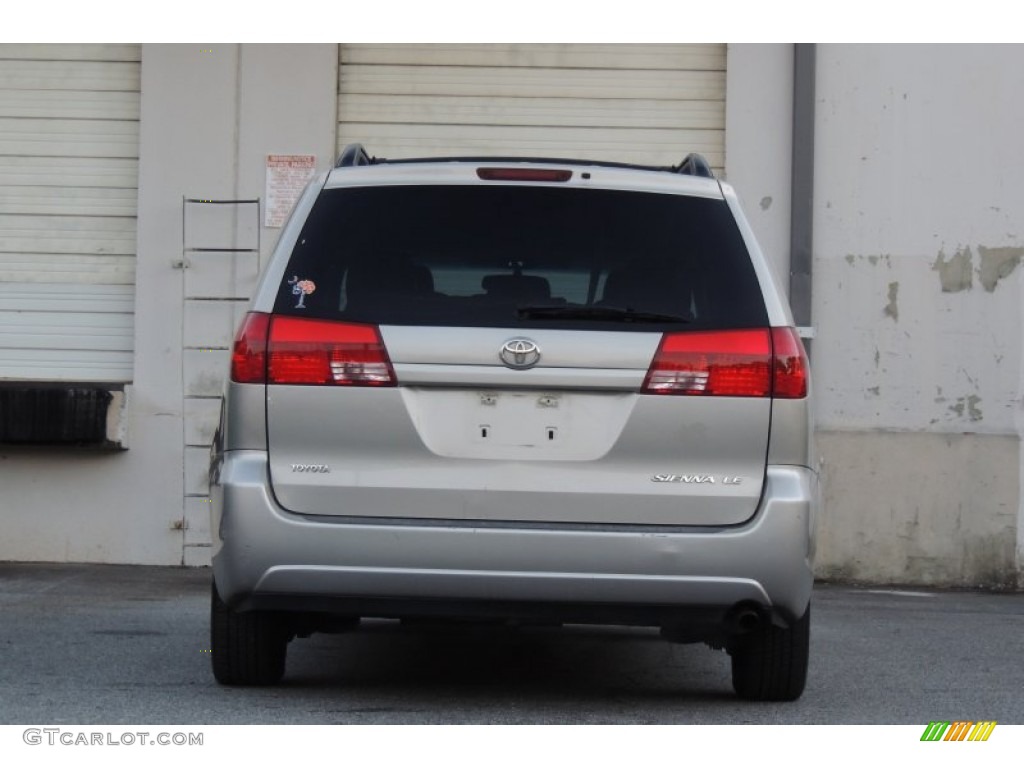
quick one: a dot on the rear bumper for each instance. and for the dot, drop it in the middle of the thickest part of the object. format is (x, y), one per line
(264, 556)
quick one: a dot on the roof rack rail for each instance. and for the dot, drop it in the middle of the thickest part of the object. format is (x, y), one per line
(353, 154)
(695, 165)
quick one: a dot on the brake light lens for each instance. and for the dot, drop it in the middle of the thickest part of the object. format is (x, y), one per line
(249, 357)
(723, 363)
(740, 363)
(790, 364)
(523, 174)
(308, 351)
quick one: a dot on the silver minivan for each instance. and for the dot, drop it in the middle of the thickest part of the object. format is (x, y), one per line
(521, 390)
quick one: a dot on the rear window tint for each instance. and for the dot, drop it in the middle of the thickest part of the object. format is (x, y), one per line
(478, 255)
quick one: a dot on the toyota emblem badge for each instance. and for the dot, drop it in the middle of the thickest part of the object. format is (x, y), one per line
(519, 353)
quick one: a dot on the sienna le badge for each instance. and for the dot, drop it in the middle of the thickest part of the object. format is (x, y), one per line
(301, 288)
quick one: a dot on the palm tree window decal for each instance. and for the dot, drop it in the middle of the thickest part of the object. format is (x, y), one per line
(301, 288)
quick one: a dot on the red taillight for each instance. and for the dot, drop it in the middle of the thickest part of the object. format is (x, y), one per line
(743, 363)
(249, 358)
(523, 174)
(723, 363)
(307, 351)
(789, 364)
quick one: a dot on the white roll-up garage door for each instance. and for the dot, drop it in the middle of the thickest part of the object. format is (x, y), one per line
(646, 104)
(69, 149)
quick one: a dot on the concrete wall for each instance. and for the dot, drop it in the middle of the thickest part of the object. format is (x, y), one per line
(279, 99)
(210, 115)
(758, 144)
(918, 237)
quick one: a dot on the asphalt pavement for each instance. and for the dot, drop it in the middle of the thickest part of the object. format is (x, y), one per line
(87, 644)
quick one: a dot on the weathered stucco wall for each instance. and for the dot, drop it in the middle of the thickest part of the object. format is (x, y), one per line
(758, 143)
(919, 508)
(919, 234)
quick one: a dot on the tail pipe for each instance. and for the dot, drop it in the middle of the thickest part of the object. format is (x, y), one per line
(744, 618)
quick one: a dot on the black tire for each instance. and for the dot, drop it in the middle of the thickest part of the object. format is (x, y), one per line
(246, 648)
(770, 664)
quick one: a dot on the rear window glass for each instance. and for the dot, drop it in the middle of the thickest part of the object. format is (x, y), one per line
(521, 256)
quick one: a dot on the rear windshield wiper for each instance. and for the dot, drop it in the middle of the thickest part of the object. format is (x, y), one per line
(613, 314)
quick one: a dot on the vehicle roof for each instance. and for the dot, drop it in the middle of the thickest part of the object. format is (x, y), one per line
(463, 170)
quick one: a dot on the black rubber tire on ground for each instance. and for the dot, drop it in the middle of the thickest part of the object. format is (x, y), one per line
(770, 664)
(246, 648)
